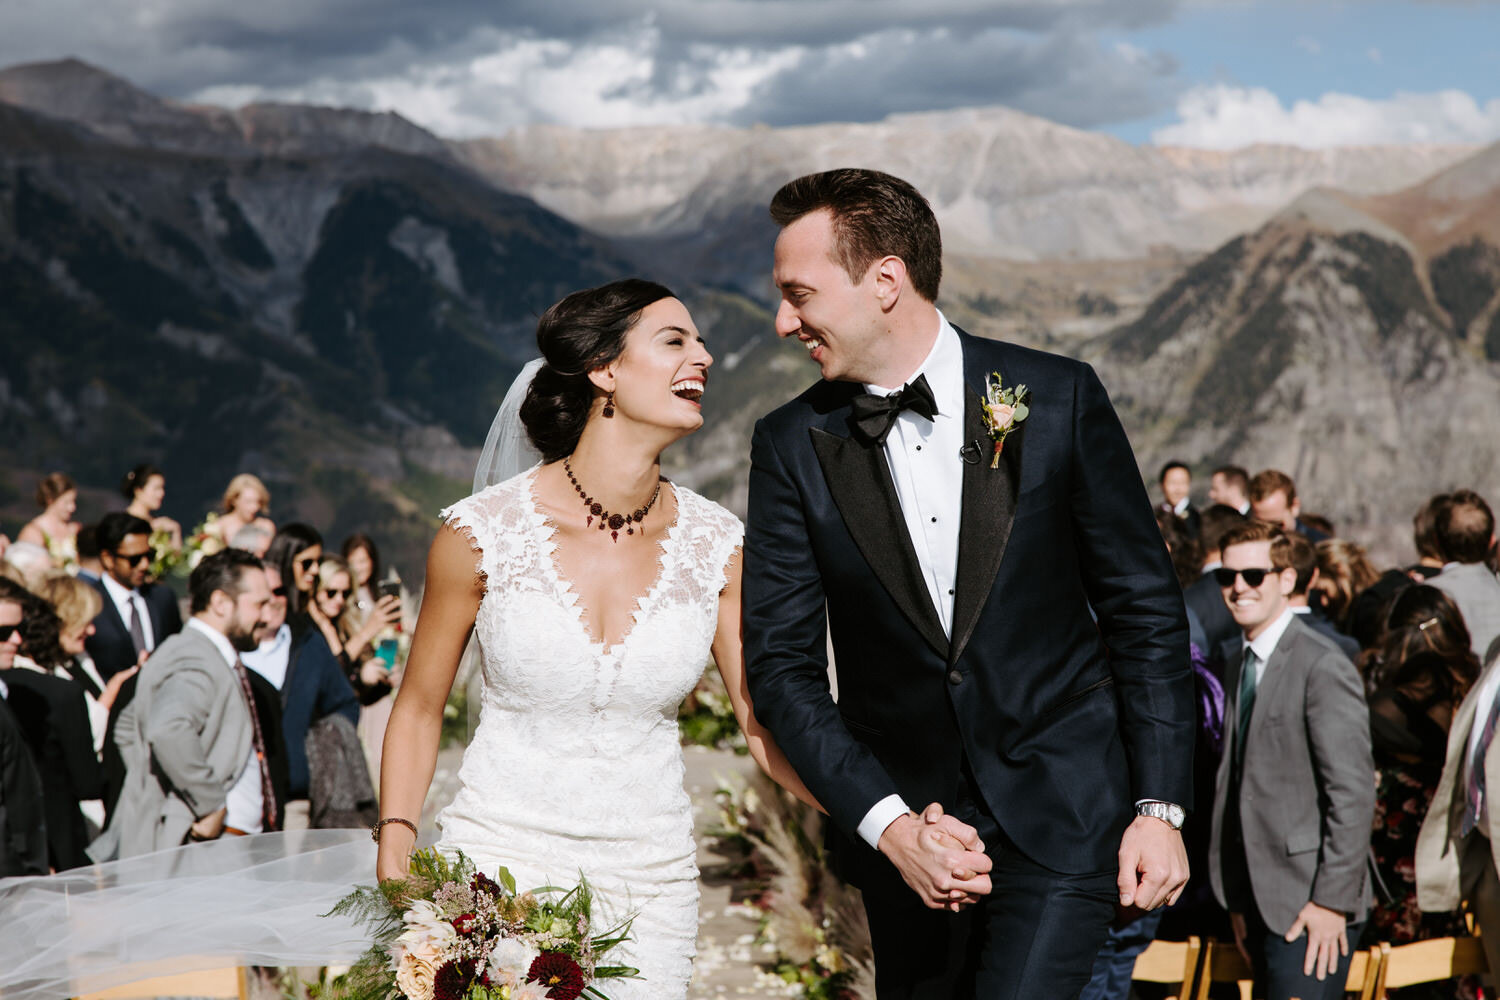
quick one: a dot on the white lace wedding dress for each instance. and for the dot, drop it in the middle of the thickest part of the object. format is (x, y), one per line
(575, 767)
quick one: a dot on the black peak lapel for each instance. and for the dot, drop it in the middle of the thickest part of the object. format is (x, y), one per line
(861, 485)
(989, 511)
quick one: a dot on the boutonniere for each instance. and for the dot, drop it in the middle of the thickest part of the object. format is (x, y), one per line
(1003, 410)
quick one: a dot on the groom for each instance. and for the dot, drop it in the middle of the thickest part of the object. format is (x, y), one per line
(1011, 643)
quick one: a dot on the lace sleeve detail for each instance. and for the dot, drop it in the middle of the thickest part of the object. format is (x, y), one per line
(715, 536)
(494, 520)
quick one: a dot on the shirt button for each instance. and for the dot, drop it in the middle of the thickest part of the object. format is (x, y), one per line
(955, 678)
(950, 591)
(934, 520)
(919, 447)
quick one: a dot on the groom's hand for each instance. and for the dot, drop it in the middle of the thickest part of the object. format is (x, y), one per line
(931, 857)
(1153, 864)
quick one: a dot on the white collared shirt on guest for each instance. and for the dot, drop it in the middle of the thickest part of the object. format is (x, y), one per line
(271, 657)
(244, 801)
(1180, 507)
(923, 456)
(1264, 644)
(123, 600)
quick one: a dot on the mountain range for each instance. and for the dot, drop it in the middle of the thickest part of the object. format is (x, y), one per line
(336, 300)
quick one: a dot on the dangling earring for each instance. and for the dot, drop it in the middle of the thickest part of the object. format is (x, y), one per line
(609, 403)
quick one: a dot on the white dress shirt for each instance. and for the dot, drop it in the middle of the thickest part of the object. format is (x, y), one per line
(1181, 506)
(123, 600)
(1484, 704)
(928, 472)
(1264, 644)
(271, 657)
(244, 800)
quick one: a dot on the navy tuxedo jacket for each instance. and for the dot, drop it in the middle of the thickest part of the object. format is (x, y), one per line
(110, 646)
(1064, 722)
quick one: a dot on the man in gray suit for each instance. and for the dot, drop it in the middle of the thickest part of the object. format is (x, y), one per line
(190, 739)
(1295, 793)
(1466, 538)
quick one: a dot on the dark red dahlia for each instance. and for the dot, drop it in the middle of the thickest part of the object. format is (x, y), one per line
(483, 883)
(559, 974)
(453, 979)
(465, 923)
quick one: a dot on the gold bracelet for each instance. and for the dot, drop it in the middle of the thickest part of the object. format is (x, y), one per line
(375, 830)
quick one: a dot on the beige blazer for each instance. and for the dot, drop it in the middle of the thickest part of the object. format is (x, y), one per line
(1438, 847)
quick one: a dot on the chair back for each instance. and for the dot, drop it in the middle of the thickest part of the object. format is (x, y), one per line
(220, 984)
(1434, 961)
(1223, 963)
(1174, 963)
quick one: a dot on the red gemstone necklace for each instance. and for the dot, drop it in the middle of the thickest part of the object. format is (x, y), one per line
(614, 522)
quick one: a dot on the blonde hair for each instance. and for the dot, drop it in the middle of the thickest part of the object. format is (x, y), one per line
(330, 567)
(1344, 571)
(74, 602)
(239, 484)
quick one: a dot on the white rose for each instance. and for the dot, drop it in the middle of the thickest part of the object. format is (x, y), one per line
(414, 978)
(428, 935)
(512, 957)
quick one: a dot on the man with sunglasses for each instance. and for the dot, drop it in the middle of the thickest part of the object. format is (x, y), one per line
(138, 615)
(1295, 793)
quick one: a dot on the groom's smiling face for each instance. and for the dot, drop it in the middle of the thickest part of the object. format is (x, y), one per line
(837, 321)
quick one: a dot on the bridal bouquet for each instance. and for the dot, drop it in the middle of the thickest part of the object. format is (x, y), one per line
(205, 540)
(448, 932)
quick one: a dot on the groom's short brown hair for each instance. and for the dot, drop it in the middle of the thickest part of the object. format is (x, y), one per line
(875, 215)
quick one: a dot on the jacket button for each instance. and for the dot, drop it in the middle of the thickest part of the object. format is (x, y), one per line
(955, 678)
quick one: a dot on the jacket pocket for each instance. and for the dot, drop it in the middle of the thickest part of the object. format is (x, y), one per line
(1301, 843)
(1071, 699)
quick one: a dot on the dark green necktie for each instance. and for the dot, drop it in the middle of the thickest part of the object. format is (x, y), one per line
(1248, 682)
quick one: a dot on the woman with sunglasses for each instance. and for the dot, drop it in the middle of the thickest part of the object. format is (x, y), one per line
(351, 640)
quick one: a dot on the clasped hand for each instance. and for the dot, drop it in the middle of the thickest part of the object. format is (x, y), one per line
(939, 857)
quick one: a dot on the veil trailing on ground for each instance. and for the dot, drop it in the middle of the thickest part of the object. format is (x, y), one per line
(236, 901)
(507, 450)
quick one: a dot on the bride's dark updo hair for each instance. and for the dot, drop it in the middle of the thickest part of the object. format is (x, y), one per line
(582, 332)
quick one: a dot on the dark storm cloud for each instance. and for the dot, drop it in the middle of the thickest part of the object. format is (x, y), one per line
(941, 53)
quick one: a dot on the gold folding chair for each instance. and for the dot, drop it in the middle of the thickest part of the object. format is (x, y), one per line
(1222, 963)
(1433, 961)
(1174, 963)
(224, 984)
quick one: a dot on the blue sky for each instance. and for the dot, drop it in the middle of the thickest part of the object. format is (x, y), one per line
(1213, 73)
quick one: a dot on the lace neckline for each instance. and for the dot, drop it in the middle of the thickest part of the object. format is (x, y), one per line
(546, 535)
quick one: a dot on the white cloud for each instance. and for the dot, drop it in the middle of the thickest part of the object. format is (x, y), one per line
(1225, 117)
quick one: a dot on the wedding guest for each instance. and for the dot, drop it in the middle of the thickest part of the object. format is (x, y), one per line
(300, 664)
(54, 528)
(1273, 499)
(1297, 735)
(1176, 482)
(23, 834)
(1230, 486)
(1187, 557)
(4, 543)
(138, 615)
(30, 561)
(1203, 596)
(1344, 573)
(362, 555)
(296, 551)
(1425, 537)
(246, 501)
(1455, 856)
(54, 721)
(145, 487)
(77, 606)
(191, 738)
(354, 646)
(1466, 539)
(90, 569)
(1411, 711)
(253, 539)
(1304, 558)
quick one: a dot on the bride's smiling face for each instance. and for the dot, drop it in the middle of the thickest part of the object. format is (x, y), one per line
(660, 377)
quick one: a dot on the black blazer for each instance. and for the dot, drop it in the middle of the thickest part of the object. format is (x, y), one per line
(1063, 723)
(54, 721)
(110, 645)
(23, 827)
(1206, 598)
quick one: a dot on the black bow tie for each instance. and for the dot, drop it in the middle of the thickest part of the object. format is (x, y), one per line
(874, 416)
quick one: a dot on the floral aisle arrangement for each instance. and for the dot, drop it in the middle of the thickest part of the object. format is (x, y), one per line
(815, 923)
(449, 932)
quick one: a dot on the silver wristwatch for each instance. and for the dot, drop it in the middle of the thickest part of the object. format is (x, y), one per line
(1168, 812)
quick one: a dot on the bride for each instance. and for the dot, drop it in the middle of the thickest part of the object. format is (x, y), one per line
(598, 590)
